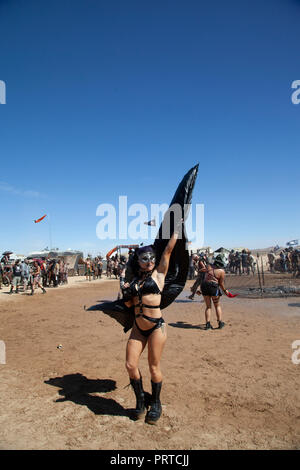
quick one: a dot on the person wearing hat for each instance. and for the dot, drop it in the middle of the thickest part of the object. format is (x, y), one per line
(211, 286)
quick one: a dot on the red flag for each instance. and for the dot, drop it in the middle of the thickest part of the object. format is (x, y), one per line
(38, 220)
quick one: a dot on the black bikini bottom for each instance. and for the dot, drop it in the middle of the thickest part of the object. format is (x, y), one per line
(210, 288)
(158, 323)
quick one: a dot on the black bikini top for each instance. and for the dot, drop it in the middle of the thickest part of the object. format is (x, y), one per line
(138, 288)
(144, 287)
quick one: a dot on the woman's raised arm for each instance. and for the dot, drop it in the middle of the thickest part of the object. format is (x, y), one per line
(163, 266)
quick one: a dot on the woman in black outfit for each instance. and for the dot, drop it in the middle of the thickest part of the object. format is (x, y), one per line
(144, 293)
(211, 286)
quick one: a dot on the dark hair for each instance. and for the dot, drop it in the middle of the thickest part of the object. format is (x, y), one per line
(145, 249)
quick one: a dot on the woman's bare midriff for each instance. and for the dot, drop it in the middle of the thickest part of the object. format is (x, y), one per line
(153, 313)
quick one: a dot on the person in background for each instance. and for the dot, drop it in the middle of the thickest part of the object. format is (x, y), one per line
(1, 275)
(36, 277)
(100, 268)
(6, 259)
(122, 274)
(109, 267)
(51, 273)
(231, 259)
(283, 261)
(56, 273)
(271, 261)
(295, 262)
(88, 271)
(191, 274)
(237, 263)
(245, 266)
(199, 278)
(6, 268)
(44, 273)
(289, 259)
(25, 273)
(213, 282)
(251, 263)
(116, 268)
(66, 270)
(17, 276)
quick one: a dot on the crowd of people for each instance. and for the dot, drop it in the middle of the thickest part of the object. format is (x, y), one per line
(93, 268)
(244, 262)
(237, 263)
(288, 261)
(241, 262)
(114, 267)
(31, 274)
(42, 273)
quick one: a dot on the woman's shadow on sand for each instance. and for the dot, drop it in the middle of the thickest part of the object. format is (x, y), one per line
(182, 324)
(78, 389)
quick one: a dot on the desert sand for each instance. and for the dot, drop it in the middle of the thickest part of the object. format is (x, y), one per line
(63, 385)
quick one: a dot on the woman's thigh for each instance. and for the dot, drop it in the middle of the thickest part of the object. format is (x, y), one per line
(216, 300)
(135, 346)
(156, 343)
(207, 300)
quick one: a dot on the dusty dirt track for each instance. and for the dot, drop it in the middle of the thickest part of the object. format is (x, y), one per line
(235, 388)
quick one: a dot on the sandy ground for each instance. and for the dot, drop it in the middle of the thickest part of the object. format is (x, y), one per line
(235, 388)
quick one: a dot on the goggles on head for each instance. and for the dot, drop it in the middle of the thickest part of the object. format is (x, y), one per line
(147, 257)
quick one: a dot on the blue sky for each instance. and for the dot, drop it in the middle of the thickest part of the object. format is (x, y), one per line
(122, 98)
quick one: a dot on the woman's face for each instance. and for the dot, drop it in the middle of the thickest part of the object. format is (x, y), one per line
(147, 261)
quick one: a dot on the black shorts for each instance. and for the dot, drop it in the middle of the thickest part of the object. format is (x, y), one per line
(210, 288)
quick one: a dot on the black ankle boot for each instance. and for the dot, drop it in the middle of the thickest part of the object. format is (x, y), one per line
(140, 409)
(154, 413)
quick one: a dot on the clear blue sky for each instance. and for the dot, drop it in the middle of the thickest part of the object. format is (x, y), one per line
(109, 98)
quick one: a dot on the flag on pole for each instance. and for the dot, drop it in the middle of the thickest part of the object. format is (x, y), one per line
(38, 220)
(293, 243)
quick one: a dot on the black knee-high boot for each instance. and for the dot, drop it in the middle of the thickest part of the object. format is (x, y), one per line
(137, 386)
(154, 413)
